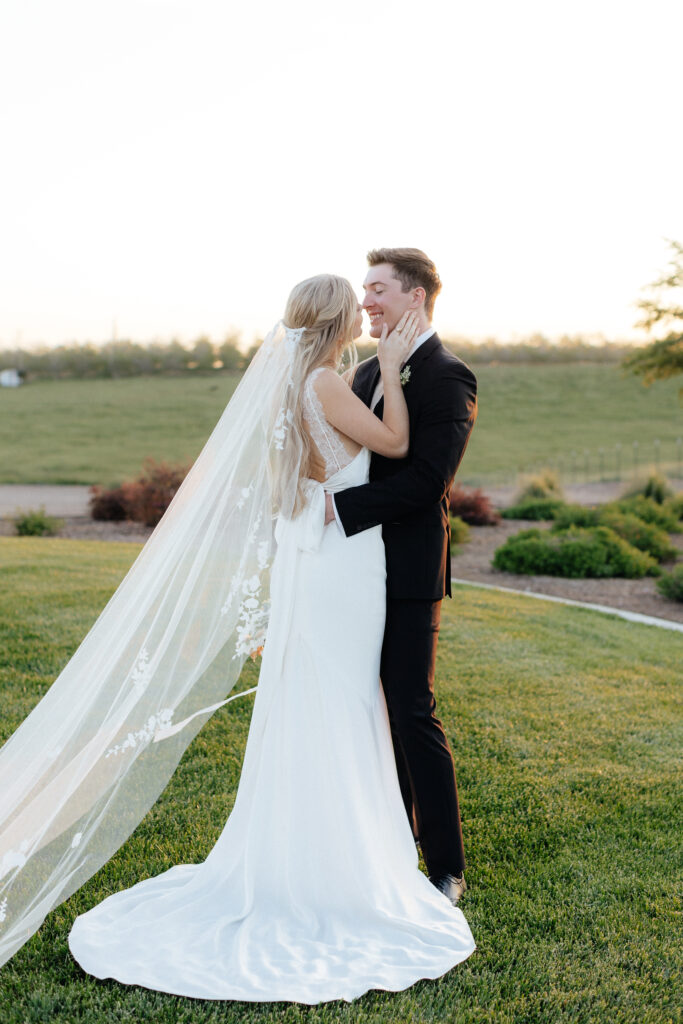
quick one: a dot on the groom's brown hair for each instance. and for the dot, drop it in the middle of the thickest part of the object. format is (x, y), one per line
(413, 269)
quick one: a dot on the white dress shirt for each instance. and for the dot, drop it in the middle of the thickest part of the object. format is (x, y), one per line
(379, 393)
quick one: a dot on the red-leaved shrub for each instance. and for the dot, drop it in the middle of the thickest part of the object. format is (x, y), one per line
(107, 503)
(149, 496)
(144, 499)
(473, 506)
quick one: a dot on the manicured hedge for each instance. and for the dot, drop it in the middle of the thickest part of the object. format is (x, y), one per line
(574, 553)
(671, 584)
(651, 511)
(575, 515)
(460, 531)
(639, 533)
(534, 509)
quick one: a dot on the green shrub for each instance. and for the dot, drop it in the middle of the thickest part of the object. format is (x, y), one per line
(545, 484)
(639, 533)
(534, 508)
(460, 531)
(674, 505)
(575, 553)
(526, 552)
(642, 535)
(575, 515)
(655, 486)
(671, 584)
(36, 523)
(650, 511)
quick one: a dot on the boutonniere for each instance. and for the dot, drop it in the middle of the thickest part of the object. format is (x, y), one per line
(404, 375)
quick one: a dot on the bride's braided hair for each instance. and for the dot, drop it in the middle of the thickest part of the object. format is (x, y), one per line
(326, 307)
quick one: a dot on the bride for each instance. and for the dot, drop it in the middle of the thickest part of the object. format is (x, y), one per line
(312, 892)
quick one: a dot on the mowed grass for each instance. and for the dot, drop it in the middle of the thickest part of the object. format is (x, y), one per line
(565, 726)
(84, 432)
(99, 431)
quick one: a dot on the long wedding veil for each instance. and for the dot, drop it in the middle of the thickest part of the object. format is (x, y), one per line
(82, 770)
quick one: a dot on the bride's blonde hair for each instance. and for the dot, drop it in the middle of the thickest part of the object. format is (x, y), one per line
(325, 306)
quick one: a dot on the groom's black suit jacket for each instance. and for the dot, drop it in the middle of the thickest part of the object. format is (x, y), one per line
(409, 496)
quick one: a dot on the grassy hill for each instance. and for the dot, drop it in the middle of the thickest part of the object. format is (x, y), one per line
(565, 726)
(99, 431)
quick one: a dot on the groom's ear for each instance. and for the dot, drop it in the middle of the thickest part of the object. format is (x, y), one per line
(419, 295)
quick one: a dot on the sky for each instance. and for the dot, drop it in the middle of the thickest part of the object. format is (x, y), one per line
(171, 168)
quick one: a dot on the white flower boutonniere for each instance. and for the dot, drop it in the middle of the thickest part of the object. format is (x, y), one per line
(404, 376)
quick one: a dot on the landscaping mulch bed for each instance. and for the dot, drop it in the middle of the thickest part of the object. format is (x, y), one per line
(473, 563)
(84, 528)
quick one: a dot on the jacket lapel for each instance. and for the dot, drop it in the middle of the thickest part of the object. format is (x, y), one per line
(374, 381)
(426, 349)
(365, 382)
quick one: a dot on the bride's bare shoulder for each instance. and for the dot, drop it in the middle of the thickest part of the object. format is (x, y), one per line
(331, 389)
(326, 380)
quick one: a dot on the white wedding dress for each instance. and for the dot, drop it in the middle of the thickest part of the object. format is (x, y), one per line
(312, 891)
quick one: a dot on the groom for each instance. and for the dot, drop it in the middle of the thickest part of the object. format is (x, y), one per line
(409, 497)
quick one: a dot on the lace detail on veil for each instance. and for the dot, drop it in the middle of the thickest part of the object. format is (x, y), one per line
(325, 437)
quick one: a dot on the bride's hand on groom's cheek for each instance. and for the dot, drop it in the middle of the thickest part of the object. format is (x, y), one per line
(393, 348)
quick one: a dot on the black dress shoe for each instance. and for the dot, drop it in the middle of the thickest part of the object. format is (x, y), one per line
(451, 886)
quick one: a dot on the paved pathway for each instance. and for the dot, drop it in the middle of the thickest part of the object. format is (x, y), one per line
(72, 500)
(67, 500)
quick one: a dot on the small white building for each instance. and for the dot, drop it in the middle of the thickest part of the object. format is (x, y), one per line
(10, 378)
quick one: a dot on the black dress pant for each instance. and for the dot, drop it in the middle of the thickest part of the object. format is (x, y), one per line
(423, 756)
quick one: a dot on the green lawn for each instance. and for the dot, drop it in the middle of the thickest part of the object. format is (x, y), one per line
(100, 431)
(565, 725)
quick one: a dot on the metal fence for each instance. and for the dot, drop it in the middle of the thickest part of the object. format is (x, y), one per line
(615, 462)
(607, 463)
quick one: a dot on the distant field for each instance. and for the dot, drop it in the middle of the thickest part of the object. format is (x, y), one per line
(99, 431)
(531, 414)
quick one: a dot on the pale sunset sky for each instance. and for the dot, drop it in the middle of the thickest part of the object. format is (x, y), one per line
(173, 167)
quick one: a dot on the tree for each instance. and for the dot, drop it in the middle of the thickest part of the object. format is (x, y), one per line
(202, 354)
(173, 357)
(663, 309)
(229, 353)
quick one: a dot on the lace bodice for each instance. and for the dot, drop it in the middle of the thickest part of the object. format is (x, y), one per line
(325, 437)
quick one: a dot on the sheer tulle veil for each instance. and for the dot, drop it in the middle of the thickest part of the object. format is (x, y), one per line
(81, 771)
